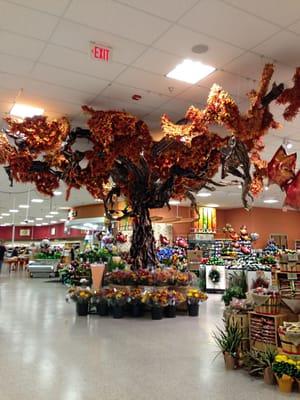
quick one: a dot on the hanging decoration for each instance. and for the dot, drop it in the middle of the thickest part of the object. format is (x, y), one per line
(215, 276)
(206, 220)
(125, 162)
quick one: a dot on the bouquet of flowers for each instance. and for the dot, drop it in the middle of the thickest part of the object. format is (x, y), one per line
(195, 296)
(80, 294)
(156, 298)
(175, 297)
(183, 278)
(117, 297)
(161, 277)
(135, 296)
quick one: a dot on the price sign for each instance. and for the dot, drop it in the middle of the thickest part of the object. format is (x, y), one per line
(292, 276)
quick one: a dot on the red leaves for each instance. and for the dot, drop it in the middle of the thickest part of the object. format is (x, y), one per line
(281, 168)
(293, 193)
(291, 96)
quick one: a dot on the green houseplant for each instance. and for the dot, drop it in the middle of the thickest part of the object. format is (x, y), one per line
(259, 363)
(228, 340)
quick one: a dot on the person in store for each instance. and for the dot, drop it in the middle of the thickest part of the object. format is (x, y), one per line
(15, 252)
(2, 253)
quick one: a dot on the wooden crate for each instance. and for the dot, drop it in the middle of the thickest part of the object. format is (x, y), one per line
(263, 330)
(242, 321)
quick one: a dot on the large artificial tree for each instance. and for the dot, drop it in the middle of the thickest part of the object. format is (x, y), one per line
(125, 162)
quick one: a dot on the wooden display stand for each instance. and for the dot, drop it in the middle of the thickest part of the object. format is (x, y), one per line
(241, 320)
(263, 330)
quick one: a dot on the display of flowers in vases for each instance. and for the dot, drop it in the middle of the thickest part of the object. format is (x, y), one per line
(117, 300)
(194, 297)
(174, 297)
(161, 277)
(156, 300)
(183, 278)
(136, 306)
(285, 370)
(81, 296)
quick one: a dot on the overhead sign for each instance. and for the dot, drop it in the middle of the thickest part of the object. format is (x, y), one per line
(100, 52)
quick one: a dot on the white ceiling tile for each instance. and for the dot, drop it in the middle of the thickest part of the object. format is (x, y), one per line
(66, 78)
(249, 65)
(51, 105)
(36, 88)
(125, 93)
(78, 37)
(25, 21)
(117, 19)
(281, 47)
(169, 9)
(106, 103)
(295, 27)
(196, 94)
(148, 62)
(15, 65)
(280, 12)
(179, 41)
(17, 45)
(176, 108)
(80, 62)
(139, 79)
(228, 23)
(55, 7)
(8, 95)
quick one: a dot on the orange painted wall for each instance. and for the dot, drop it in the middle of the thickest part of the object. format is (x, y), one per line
(266, 221)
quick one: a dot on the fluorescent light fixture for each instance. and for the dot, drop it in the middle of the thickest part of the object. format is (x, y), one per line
(24, 110)
(30, 221)
(174, 202)
(213, 205)
(39, 219)
(5, 214)
(44, 223)
(38, 224)
(63, 219)
(48, 216)
(53, 222)
(289, 145)
(203, 194)
(190, 71)
(57, 193)
(64, 208)
(98, 200)
(23, 223)
(37, 200)
(54, 212)
(1, 217)
(23, 206)
(13, 211)
(266, 188)
(271, 201)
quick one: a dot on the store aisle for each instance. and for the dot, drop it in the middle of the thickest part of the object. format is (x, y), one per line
(48, 353)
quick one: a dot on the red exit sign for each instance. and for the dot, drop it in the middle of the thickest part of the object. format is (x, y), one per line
(100, 52)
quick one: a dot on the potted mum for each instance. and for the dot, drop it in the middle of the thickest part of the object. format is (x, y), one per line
(101, 301)
(228, 340)
(117, 300)
(174, 297)
(157, 300)
(285, 370)
(194, 297)
(136, 306)
(81, 296)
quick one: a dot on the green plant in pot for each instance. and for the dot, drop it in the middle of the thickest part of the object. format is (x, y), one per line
(228, 340)
(259, 363)
(233, 292)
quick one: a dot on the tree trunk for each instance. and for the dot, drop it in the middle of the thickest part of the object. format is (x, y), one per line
(142, 249)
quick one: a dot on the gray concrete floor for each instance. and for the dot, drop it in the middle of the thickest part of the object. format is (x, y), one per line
(46, 352)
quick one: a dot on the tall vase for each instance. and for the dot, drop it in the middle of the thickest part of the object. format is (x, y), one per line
(82, 308)
(97, 275)
(269, 376)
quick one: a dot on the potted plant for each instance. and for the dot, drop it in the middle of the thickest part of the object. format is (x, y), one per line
(81, 296)
(174, 297)
(285, 370)
(136, 306)
(233, 292)
(117, 299)
(157, 300)
(228, 340)
(101, 301)
(259, 363)
(194, 297)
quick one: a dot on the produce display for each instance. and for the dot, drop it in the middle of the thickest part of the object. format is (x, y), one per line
(250, 263)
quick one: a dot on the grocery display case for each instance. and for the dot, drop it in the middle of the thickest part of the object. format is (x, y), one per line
(42, 268)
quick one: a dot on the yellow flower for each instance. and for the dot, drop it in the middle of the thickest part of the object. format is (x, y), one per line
(292, 362)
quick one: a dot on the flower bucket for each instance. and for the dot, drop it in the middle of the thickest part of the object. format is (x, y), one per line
(102, 308)
(170, 311)
(298, 381)
(82, 308)
(285, 383)
(118, 311)
(229, 361)
(269, 378)
(156, 313)
(136, 310)
(193, 310)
